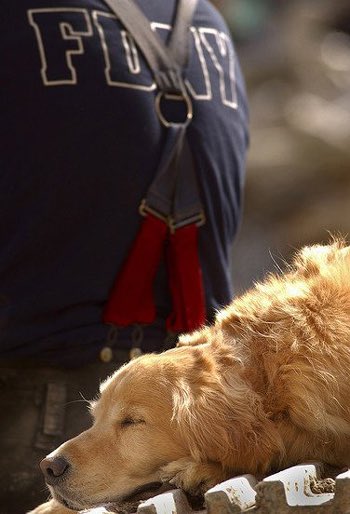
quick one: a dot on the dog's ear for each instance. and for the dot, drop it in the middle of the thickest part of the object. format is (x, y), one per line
(224, 421)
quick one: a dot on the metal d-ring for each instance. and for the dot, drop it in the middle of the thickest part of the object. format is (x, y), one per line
(179, 98)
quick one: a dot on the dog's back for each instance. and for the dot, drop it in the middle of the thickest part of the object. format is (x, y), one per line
(292, 333)
(296, 327)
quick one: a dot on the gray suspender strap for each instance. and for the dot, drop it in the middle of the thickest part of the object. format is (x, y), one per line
(173, 195)
(179, 40)
(166, 62)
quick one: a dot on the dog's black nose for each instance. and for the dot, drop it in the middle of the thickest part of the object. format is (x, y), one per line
(54, 468)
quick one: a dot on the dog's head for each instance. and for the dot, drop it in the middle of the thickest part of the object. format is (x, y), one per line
(132, 436)
(180, 406)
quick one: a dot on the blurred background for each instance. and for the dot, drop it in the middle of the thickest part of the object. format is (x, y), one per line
(296, 60)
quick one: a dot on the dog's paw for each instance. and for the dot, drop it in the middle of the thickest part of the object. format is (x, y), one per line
(51, 507)
(193, 477)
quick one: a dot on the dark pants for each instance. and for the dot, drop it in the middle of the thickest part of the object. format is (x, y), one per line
(39, 409)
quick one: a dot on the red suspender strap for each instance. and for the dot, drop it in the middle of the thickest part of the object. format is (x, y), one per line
(131, 298)
(185, 280)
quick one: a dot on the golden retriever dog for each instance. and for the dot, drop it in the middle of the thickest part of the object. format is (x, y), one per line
(265, 387)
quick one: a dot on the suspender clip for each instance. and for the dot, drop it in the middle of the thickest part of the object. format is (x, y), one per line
(197, 219)
(145, 209)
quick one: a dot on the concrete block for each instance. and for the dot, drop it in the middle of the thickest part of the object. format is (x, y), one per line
(342, 494)
(232, 496)
(172, 502)
(289, 491)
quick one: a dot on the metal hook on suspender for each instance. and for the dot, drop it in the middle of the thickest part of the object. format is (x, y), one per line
(183, 97)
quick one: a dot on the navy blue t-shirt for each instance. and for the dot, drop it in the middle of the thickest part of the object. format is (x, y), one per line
(80, 144)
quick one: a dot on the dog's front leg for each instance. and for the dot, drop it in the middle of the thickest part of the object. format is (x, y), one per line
(52, 507)
(193, 477)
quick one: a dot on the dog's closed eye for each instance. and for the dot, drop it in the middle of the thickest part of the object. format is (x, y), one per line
(127, 422)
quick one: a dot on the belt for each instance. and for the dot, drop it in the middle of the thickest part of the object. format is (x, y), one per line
(141, 339)
(106, 355)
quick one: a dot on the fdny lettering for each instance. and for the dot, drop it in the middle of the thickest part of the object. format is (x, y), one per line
(62, 33)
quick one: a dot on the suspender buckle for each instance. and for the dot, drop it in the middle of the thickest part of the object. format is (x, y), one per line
(173, 223)
(145, 209)
(196, 219)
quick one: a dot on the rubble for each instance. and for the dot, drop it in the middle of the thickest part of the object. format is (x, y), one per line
(291, 491)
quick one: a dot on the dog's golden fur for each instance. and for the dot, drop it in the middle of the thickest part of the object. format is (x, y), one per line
(265, 387)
